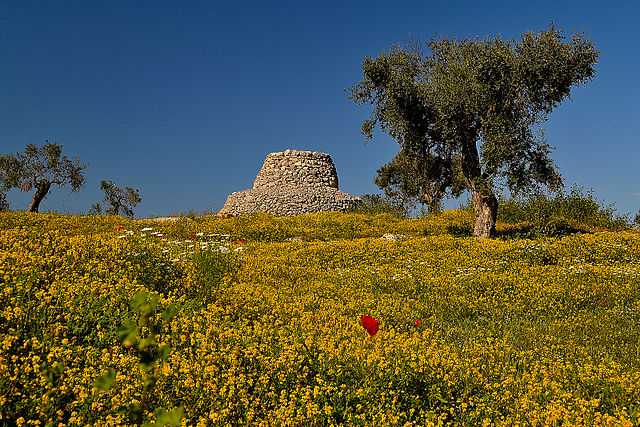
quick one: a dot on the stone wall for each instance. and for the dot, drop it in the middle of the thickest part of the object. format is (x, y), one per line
(297, 168)
(292, 182)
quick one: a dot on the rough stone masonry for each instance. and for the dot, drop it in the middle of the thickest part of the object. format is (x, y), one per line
(292, 182)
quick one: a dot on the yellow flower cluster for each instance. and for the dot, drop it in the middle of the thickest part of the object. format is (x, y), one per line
(266, 325)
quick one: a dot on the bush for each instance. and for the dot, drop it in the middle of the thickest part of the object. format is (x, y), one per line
(375, 204)
(562, 213)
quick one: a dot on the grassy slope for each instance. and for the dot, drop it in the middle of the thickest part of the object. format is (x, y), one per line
(512, 331)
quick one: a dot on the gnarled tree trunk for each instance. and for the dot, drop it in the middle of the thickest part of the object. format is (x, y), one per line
(41, 191)
(432, 197)
(485, 203)
(486, 211)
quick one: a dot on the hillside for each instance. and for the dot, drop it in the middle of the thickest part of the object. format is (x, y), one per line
(257, 320)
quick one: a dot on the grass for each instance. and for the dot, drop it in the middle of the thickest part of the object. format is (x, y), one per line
(256, 321)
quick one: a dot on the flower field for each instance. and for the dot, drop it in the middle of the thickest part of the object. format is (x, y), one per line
(319, 319)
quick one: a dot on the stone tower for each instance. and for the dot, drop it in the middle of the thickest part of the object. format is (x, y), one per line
(292, 182)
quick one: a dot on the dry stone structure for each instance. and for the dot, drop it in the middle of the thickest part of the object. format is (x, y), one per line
(292, 182)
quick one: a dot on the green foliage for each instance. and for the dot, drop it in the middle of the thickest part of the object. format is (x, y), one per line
(211, 266)
(408, 179)
(105, 381)
(376, 204)
(4, 186)
(119, 201)
(4, 203)
(636, 219)
(39, 168)
(167, 418)
(561, 213)
(492, 93)
(193, 214)
(141, 334)
(95, 209)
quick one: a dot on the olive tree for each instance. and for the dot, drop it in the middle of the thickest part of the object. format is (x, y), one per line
(39, 168)
(475, 109)
(118, 201)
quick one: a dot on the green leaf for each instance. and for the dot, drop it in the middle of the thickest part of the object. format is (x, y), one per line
(106, 380)
(172, 417)
(169, 312)
(164, 351)
(128, 332)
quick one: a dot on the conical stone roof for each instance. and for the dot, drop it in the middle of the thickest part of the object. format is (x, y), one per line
(292, 182)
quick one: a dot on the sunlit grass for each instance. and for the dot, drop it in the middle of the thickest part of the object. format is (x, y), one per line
(267, 324)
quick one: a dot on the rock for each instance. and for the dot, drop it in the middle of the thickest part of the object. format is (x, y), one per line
(225, 215)
(393, 237)
(292, 182)
(167, 219)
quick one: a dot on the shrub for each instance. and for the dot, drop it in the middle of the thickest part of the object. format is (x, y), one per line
(374, 204)
(562, 213)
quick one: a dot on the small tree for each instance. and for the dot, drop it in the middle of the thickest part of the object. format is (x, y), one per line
(39, 168)
(474, 108)
(636, 220)
(95, 209)
(119, 201)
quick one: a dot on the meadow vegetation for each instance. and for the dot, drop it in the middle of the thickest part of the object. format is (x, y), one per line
(575, 208)
(207, 321)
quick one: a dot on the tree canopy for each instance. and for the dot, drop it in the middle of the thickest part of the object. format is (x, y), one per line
(40, 167)
(473, 109)
(415, 177)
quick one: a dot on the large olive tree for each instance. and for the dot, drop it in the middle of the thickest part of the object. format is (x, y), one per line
(474, 109)
(38, 168)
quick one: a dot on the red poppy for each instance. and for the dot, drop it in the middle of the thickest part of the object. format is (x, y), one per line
(370, 324)
(417, 323)
(240, 242)
(119, 227)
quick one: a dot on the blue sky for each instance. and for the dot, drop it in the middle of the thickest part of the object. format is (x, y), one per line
(184, 99)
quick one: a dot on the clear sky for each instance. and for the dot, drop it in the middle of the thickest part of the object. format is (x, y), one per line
(184, 99)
